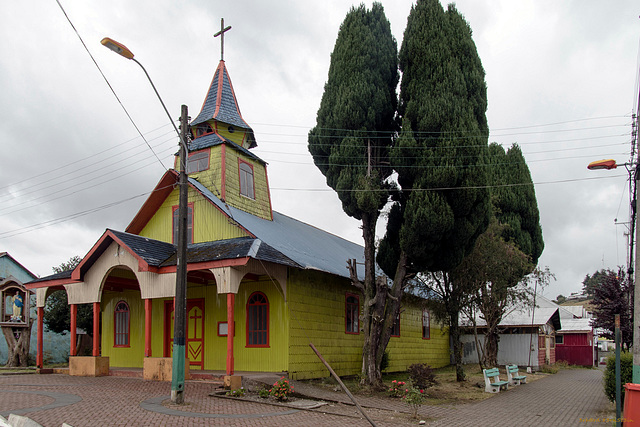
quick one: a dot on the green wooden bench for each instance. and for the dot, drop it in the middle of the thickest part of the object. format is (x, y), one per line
(514, 377)
(492, 381)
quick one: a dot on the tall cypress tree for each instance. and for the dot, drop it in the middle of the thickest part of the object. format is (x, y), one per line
(351, 140)
(519, 239)
(514, 202)
(443, 205)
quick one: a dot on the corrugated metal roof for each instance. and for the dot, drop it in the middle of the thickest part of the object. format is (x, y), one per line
(574, 325)
(305, 244)
(544, 312)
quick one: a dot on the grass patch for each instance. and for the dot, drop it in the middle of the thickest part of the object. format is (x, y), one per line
(447, 391)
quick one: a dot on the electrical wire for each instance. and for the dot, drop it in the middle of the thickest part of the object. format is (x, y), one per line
(109, 84)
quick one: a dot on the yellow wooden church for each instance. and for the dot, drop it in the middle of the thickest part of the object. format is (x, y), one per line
(280, 282)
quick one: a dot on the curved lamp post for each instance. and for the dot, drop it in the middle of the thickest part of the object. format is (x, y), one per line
(180, 309)
(611, 164)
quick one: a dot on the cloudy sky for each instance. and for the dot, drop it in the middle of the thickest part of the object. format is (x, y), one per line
(561, 76)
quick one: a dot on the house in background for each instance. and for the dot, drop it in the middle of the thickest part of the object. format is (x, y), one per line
(527, 335)
(13, 276)
(575, 343)
(261, 286)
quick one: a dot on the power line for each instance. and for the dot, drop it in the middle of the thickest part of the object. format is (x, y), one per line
(109, 84)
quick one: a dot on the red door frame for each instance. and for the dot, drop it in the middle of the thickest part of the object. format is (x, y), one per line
(168, 333)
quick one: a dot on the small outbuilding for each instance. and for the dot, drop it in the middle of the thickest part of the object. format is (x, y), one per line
(574, 341)
(527, 335)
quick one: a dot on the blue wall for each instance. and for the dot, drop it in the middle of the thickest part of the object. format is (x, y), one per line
(56, 346)
(8, 267)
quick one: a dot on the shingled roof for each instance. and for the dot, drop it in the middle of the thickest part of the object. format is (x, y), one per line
(239, 247)
(221, 103)
(308, 246)
(213, 139)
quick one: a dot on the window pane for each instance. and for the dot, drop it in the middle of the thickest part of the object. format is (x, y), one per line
(246, 180)
(257, 320)
(352, 312)
(121, 324)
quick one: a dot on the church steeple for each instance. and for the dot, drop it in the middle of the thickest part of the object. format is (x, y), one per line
(220, 113)
(219, 151)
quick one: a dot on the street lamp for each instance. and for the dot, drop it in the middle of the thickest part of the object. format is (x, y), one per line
(180, 309)
(602, 164)
(611, 164)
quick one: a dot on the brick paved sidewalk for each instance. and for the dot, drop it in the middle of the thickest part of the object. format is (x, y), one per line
(567, 398)
(560, 399)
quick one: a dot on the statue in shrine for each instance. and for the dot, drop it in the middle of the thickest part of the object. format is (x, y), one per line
(18, 304)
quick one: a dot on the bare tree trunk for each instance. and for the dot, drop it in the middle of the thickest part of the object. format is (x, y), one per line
(454, 333)
(479, 351)
(491, 339)
(18, 348)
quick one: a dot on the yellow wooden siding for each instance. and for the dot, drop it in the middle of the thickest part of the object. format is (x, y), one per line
(237, 136)
(124, 357)
(272, 358)
(209, 224)
(275, 357)
(261, 205)
(317, 306)
(211, 178)
(410, 348)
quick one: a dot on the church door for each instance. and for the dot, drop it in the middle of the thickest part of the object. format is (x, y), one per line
(195, 331)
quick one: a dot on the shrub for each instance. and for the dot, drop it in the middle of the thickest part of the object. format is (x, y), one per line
(626, 374)
(422, 376)
(397, 389)
(281, 389)
(236, 393)
(414, 398)
(384, 363)
(263, 393)
(549, 369)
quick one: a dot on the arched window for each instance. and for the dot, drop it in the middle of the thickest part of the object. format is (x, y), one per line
(246, 180)
(352, 314)
(395, 331)
(426, 324)
(257, 320)
(121, 320)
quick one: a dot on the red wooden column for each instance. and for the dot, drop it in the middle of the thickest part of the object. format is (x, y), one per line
(40, 355)
(96, 329)
(74, 318)
(147, 327)
(231, 299)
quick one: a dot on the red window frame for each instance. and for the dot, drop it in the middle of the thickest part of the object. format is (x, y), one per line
(121, 333)
(352, 314)
(203, 129)
(395, 331)
(257, 324)
(248, 189)
(426, 324)
(174, 224)
(195, 159)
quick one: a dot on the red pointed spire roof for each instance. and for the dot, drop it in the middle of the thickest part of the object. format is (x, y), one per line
(221, 103)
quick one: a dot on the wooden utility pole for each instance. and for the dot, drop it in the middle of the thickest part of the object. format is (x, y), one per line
(180, 309)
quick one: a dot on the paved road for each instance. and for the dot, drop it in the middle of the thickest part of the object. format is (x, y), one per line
(564, 399)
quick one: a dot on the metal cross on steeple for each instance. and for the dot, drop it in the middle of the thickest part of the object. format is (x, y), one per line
(221, 34)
